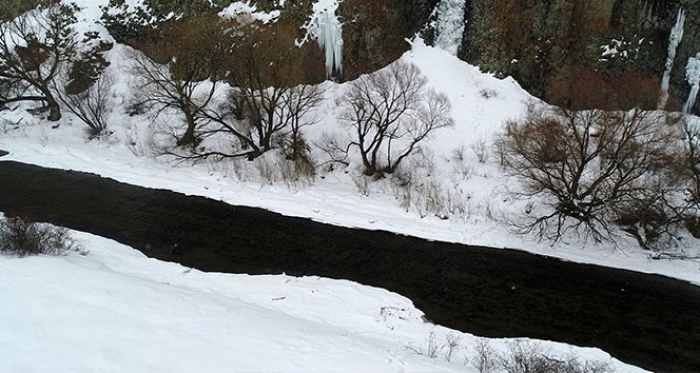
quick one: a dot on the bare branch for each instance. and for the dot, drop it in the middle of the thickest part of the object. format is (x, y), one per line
(390, 112)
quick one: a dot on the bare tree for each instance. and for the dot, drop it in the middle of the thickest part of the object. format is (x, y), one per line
(263, 119)
(34, 46)
(592, 167)
(295, 110)
(268, 102)
(390, 113)
(193, 53)
(92, 105)
(692, 171)
(163, 90)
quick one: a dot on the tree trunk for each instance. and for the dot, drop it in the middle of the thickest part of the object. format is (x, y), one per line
(54, 108)
(188, 137)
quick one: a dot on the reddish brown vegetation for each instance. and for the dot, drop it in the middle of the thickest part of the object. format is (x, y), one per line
(585, 88)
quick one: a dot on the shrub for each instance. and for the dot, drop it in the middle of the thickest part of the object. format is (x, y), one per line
(92, 105)
(480, 149)
(524, 357)
(22, 238)
(591, 167)
(529, 357)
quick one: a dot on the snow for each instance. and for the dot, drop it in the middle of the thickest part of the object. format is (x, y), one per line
(238, 8)
(324, 25)
(114, 310)
(692, 76)
(450, 25)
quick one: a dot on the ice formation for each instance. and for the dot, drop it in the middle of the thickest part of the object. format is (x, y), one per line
(673, 40)
(330, 39)
(692, 76)
(450, 25)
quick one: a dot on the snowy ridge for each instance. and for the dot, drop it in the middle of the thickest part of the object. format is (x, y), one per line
(237, 8)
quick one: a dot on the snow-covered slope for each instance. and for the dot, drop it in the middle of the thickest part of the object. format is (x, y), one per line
(478, 195)
(114, 310)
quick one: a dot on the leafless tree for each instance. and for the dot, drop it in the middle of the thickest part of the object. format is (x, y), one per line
(92, 105)
(261, 119)
(296, 109)
(692, 171)
(390, 112)
(34, 46)
(193, 56)
(267, 102)
(592, 168)
(163, 90)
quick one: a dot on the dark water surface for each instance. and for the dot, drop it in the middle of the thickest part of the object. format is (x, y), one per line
(646, 320)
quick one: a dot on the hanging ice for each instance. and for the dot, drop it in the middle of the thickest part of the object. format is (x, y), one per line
(692, 76)
(673, 40)
(450, 25)
(330, 39)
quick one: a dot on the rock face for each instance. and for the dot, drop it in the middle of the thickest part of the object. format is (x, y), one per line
(608, 54)
(375, 32)
(596, 53)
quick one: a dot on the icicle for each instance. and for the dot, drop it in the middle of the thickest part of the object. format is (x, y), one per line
(692, 76)
(330, 39)
(673, 40)
(450, 25)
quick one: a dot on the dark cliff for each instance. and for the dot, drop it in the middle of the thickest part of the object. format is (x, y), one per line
(556, 48)
(597, 53)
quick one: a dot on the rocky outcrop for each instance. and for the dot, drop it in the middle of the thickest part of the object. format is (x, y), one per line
(597, 53)
(375, 32)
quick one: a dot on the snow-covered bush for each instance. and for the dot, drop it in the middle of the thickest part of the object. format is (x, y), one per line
(22, 238)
